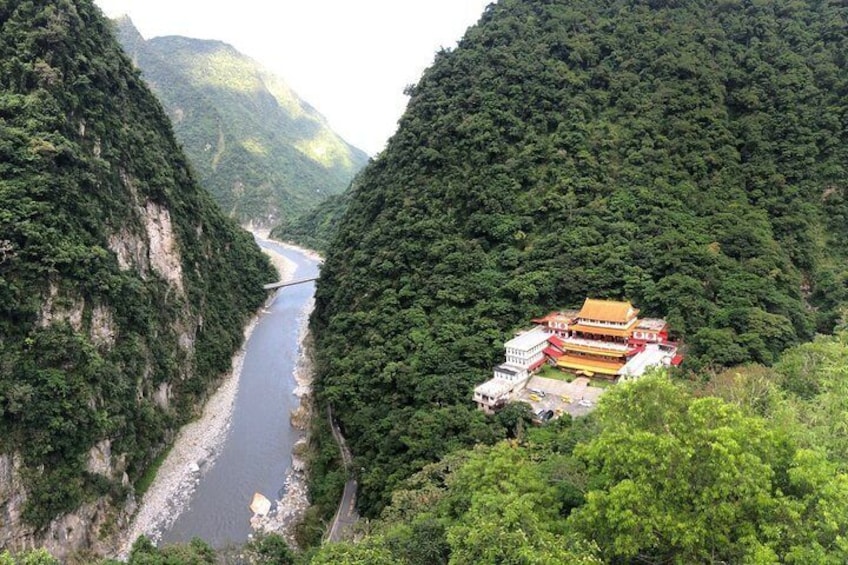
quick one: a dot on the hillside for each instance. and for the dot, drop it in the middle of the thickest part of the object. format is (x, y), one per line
(263, 153)
(747, 468)
(124, 290)
(688, 156)
(315, 228)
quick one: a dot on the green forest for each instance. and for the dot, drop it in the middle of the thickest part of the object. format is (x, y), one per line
(750, 466)
(315, 228)
(91, 324)
(688, 156)
(263, 153)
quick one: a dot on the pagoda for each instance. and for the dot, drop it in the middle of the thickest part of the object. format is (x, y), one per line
(598, 341)
(605, 338)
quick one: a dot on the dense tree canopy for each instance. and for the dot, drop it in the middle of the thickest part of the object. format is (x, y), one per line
(657, 475)
(91, 326)
(315, 228)
(688, 156)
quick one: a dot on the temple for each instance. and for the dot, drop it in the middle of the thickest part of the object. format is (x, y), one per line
(604, 339)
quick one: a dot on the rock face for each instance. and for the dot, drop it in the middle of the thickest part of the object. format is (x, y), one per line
(164, 257)
(123, 288)
(92, 526)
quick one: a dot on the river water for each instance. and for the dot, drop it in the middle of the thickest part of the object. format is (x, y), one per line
(256, 453)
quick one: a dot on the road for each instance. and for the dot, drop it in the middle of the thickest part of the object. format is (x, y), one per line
(346, 515)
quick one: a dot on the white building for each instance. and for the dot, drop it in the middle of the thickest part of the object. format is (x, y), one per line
(511, 373)
(524, 354)
(525, 350)
(493, 394)
(653, 355)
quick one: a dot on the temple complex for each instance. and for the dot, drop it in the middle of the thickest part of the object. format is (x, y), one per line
(604, 339)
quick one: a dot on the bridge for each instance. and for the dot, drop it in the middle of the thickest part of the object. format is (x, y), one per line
(281, 284)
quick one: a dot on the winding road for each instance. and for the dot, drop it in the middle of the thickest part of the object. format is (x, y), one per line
(346, 515)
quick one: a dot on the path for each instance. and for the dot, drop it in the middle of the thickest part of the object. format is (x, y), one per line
(346, 515)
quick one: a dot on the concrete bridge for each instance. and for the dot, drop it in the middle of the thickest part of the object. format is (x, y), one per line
(281, 284)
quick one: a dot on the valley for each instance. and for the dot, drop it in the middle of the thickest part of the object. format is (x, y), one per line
(244, 441)
(263, 153)
(589, 305)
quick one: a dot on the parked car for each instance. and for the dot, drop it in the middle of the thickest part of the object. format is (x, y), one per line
(536, 391)
(584, 402)
(546, 415)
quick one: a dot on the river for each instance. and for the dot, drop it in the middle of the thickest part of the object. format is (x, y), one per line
(256, 453)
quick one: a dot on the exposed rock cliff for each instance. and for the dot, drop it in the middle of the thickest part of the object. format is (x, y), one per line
(123, 289)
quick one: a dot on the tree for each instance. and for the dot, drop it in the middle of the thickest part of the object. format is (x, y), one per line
(369, 552)
(504, 511)
(269, 549)
(684, 479)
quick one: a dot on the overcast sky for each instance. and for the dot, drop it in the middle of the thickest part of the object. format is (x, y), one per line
(350, 59)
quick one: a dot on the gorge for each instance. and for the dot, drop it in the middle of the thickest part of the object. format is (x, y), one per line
(254, 454)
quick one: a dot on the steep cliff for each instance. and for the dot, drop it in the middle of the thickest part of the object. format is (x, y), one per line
(263, 153)
(123, 289)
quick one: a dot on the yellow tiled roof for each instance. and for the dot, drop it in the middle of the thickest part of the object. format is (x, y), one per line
(597, 330)
(593, 350)
(608, 311)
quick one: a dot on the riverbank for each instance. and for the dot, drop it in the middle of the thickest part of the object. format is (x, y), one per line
(288, 511)
(196, 445)
(193, 452)
(285, 267)
(265, 234)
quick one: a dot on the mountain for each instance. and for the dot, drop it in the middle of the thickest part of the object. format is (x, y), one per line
(123, 288)
(688, 156)
(315, 228)
(262, 152)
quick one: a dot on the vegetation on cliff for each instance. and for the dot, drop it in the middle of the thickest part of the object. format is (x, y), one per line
(315, 228)
(263, 153)
(688, 156)
(123, 289)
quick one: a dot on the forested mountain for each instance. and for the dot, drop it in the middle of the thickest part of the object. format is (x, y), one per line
(315, 228)
(688, 156)
(123, 288)
(263, 153)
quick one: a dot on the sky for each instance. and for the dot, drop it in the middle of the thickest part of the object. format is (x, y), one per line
(349, 59)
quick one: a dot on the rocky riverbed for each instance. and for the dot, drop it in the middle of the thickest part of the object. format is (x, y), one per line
(288, 511)
(290, 508)
(195, 447)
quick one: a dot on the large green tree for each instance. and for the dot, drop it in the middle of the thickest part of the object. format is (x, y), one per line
(678, 479)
